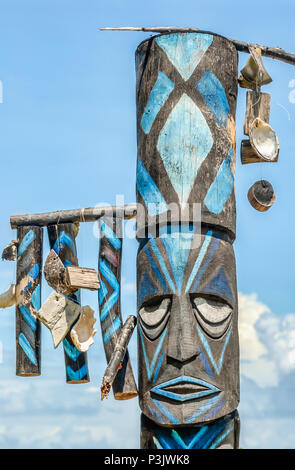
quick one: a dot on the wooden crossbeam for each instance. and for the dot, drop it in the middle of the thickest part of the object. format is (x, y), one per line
(272, 52)
(75, 215)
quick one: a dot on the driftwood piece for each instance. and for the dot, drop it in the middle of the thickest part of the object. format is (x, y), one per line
(58, 313)
(83, 332)
(258, 105)
(81, 278)
(117, 357)
(261, 195)
(28, 301)
(8, 298)
(73, 216)
(248, 154)
(271, 52)
(62, 241)
(124, 386)
(10, 251)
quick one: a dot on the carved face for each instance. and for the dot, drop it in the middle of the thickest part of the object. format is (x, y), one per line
(187, 328)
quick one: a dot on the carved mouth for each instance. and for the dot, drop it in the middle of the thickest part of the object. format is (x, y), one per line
(185, 388)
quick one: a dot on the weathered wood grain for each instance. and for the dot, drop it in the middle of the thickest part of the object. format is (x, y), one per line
(124, 386)
(81, 278)
(62, 241)
(186, 129)
(28, 301)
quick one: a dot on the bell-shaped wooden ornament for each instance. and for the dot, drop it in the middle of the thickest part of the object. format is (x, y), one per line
(254, 74)
(261, 195)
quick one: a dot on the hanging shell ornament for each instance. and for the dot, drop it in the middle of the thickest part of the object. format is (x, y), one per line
(82, 332)
(254, 74)
(264, 141)
(8, 298)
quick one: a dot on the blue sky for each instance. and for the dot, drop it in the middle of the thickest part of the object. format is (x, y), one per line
(68, 140)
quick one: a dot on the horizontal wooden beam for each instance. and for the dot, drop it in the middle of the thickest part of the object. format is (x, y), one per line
(272, 52)
(75, 215)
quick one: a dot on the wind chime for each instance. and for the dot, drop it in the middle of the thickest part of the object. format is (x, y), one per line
(188, 348)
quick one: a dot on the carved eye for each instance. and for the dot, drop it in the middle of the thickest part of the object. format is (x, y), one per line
(213, 316)
(153, 317)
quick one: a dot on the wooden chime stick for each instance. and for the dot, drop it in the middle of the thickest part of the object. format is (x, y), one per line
(62, 241)
(117, 357)
(28, 301)
(272, 52)
(109, 270)
(75, 215)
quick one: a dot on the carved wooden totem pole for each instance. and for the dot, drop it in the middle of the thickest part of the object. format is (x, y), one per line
(186, 276)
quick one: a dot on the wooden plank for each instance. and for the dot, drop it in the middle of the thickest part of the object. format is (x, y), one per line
(28, 301)
(75, 215)
(109, 297)
(81, 278)
(62, 241)
(258, 105)
(272, 52)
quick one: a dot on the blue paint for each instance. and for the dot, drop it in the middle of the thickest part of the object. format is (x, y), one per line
(166, 412)
(185, 51)
(36, 298)
(159, 389)
(111, 278)
(221, 438)
(112, 330)
(147, 188)
(214, 96)
(218, 285)
(158, 418)
(27, 348)
(67, 263)
(34, 271)
(147, 287)
(199, 260)
(102, 292)
(178, 440)
(78, 374)
(110, 235)
(208, 404)
(162, 264)
(70, 350)
(222, 186)
(177, 246)
(158, 97)
(28, 286)
(184, 142)
(155, 269)
(26, 241)
(214, 410)
(213, 249)
(217, 365)
(64, 239)
(28, 317)
(150, 367)
(205, 363)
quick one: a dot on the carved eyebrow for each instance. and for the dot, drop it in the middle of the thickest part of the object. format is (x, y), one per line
(212, 311)
(152, 315)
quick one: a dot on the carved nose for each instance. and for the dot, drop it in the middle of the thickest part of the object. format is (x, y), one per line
(182, 344)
